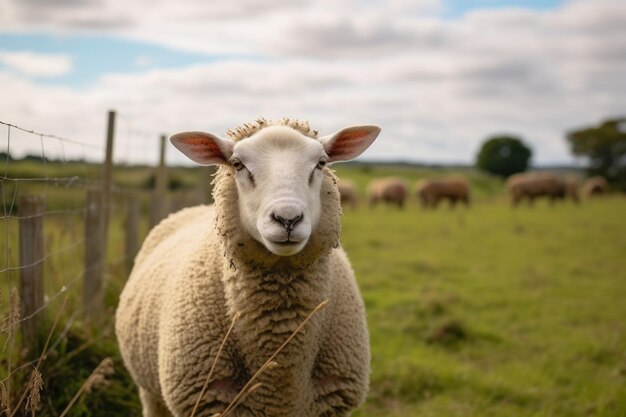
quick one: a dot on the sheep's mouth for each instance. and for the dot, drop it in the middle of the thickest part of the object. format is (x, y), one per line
(286, 243)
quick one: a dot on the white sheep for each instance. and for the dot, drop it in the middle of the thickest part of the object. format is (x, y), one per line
(269, 250)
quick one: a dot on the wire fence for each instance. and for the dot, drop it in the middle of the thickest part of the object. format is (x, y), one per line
(69, 233)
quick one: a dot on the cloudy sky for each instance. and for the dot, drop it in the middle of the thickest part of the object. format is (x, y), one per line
(438, 76)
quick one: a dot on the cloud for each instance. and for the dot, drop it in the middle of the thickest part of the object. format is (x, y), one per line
(37, 65)
(438, 87)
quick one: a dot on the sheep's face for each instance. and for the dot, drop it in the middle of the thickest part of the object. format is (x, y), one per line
(279, 174)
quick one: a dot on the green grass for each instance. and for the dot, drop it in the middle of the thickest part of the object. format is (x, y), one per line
(487, 311)
(493, 311)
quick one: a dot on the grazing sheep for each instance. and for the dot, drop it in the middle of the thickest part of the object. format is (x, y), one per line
(267, 250)
(531, 185)
(348, 193)
(388, 190)
(569, 188)
(430, 192)
(595, 186)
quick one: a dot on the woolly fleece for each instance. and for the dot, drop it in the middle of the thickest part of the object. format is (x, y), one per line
(197, 268)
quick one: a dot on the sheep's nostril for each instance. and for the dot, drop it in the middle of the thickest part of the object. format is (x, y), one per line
(297, 219)
(287, 223)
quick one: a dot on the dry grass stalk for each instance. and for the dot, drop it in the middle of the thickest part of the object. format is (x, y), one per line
(41, 359)
(270, 363)
(35, 384)
(99, 378)
(12, 319)
(9, 324)
(4, 398)
(14, 309)
(96, 379)
(219, 352)
(236, 402)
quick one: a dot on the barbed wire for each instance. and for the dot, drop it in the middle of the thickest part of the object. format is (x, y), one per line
(53, 171)
(51, 136)
(41, 179)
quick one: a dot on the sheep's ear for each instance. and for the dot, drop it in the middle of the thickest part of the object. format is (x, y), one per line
(350, 142)
(203, 148)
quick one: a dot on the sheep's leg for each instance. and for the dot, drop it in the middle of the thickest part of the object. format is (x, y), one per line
(341, 371)
(152, 405)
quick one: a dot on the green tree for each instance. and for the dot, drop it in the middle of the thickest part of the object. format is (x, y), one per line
(605, 147)
(503, 156)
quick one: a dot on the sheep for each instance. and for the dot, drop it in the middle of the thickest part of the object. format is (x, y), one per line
(548, 184)
(431, 191)
(569, 188)
(348, 193)
(390, 190)
(267, 250)
(594, 186)
(531, 185)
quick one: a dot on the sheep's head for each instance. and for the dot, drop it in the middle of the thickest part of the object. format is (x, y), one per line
(278, 172)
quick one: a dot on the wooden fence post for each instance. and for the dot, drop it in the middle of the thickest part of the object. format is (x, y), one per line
(132, 229)
(31, 209)
(107, 173)
(158, 208)
(204, 185)
(93, 298)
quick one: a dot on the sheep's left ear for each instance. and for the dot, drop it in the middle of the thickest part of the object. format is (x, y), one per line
(349, 143)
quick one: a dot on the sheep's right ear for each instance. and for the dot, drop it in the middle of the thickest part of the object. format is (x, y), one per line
(204, 148)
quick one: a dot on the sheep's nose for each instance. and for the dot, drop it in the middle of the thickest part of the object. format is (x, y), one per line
(289, 224)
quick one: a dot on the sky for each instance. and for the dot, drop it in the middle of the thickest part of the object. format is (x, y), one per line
(439, 76)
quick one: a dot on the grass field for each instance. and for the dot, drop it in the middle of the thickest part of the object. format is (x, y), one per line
(486, 311)
(493, 311)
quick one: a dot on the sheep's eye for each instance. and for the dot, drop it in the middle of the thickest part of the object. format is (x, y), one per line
(237, 164)
(321, 164)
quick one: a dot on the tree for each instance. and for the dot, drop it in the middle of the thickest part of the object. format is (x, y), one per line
(503, 156)
(605, 146)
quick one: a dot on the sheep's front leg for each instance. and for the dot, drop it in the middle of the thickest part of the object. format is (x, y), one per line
(341, 373)
(152, 406)
(182, 395)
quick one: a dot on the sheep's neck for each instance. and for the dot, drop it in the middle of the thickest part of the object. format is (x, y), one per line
(274, 301)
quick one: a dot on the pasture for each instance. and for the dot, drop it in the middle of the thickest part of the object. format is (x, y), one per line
(486, 311)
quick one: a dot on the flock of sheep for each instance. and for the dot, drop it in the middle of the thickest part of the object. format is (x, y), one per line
(523, 186)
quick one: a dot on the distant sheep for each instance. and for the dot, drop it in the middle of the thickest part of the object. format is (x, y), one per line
(595, 186)
(532, 185)
(269, 250)
(569, 188)
(389, 190)
(348, 193)
(431, 191)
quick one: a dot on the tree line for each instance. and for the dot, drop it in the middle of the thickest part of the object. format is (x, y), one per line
(603, 146)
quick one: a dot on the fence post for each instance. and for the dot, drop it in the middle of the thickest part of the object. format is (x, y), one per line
(107, 172)
(31, 209)
(93, 299)
(158, 209)
(204, 185)
(132, 229)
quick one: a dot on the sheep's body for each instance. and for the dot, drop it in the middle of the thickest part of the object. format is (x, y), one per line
(430, 192)
(389, 190)
(532, 185)
(348, 193)
(569, 187)
(197, 269)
